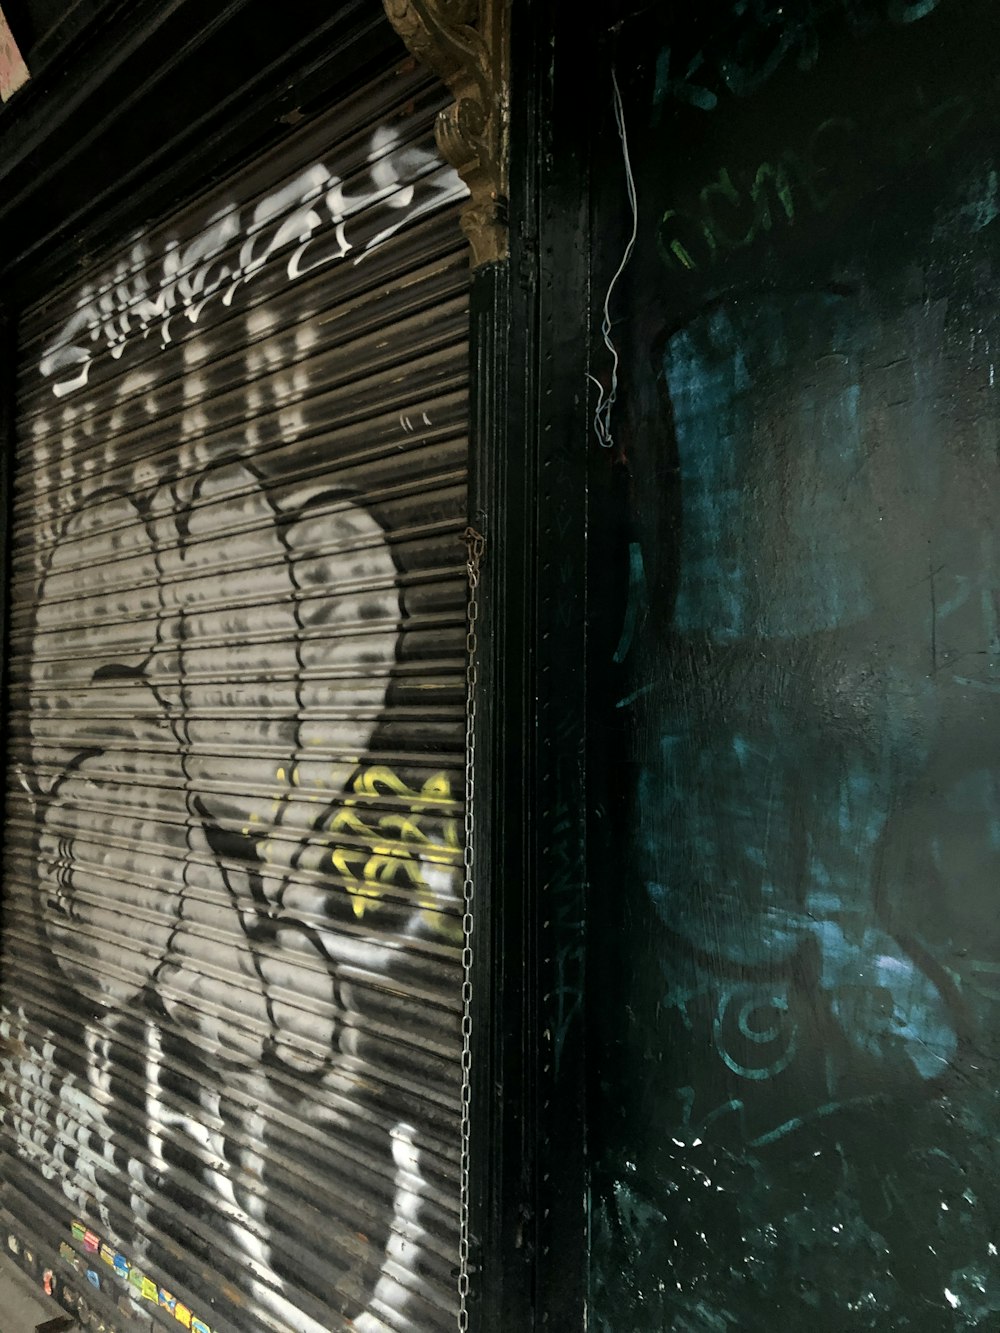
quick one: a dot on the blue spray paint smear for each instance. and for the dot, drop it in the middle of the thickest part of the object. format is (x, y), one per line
(767, 454)
(637, 601)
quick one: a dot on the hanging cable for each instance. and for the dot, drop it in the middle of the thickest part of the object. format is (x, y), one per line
(607, 397)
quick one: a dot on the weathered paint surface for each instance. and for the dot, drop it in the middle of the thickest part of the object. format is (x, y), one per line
(232, 916)
(796, 994)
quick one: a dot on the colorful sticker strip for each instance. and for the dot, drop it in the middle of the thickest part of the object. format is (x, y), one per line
(143, 1286)
(61, 1291)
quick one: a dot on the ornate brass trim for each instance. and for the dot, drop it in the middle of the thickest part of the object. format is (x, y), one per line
(467, 45)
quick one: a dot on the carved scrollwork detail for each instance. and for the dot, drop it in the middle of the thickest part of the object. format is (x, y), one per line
(466, 44)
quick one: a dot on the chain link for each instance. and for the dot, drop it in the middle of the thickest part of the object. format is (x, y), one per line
(475, 544)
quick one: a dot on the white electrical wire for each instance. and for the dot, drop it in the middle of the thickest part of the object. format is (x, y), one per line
(607, 397)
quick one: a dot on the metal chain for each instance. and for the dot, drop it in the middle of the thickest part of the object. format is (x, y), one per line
(475, 544)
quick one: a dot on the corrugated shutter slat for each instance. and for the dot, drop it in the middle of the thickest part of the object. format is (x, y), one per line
(231, 952)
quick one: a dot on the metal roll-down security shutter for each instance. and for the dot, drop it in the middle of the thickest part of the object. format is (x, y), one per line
(232, 878)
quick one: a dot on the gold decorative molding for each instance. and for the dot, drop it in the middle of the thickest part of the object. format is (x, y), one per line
(466, 43)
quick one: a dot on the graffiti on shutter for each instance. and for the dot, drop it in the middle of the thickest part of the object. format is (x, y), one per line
(233, 867)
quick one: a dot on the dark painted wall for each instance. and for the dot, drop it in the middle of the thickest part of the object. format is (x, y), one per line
(795, 947)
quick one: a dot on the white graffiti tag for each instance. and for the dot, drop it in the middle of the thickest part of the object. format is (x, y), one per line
(312, 221)
(241, 854)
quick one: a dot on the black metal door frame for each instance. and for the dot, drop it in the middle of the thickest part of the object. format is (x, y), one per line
(532, 426)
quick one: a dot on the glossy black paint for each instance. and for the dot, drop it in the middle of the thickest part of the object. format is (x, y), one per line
(792, 1018)
(530, 500)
